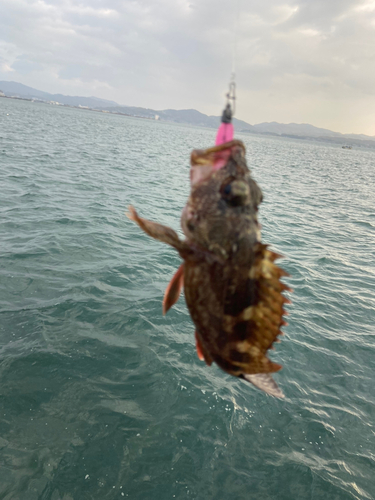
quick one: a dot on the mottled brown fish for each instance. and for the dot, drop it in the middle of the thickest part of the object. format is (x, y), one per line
(232, 285)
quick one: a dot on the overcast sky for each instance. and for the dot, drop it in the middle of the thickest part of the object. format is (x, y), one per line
(303, 61)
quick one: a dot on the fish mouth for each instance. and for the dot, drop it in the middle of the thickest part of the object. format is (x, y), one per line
(206, 161)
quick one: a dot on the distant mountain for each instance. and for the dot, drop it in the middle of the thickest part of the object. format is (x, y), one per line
(20, 90)
(304, 130)
(294, 129)
(190, 116)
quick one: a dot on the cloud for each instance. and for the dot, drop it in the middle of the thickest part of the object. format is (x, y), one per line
(291, 57)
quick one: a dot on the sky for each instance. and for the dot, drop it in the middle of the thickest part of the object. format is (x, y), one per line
(303, 61)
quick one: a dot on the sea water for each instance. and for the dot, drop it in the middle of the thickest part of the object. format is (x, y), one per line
(101, 397)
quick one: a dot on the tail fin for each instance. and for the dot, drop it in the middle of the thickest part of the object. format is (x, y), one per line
(265, 382)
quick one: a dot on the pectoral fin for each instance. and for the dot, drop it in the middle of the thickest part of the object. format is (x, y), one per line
(167, 235)
(173, 290)
(157, 231)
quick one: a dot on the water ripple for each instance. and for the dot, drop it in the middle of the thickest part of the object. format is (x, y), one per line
(102, 396)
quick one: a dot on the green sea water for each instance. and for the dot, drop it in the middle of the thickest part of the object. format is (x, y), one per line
(101, 397)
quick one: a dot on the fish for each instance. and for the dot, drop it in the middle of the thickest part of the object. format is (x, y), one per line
(232, 285)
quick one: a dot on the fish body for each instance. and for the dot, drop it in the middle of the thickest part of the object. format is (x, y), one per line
(232, 285)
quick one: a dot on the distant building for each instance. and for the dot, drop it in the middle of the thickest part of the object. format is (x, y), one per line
(2, 93)
(157, 117)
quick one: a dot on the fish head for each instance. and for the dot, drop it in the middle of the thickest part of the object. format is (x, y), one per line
(223, 197)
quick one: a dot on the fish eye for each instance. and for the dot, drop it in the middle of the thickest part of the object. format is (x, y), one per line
(227, 189)
(235, 192)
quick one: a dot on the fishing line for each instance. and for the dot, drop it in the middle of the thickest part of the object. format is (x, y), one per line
(234, 47)
(231, 95)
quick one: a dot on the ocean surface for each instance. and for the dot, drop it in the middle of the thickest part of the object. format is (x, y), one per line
(101, 397)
